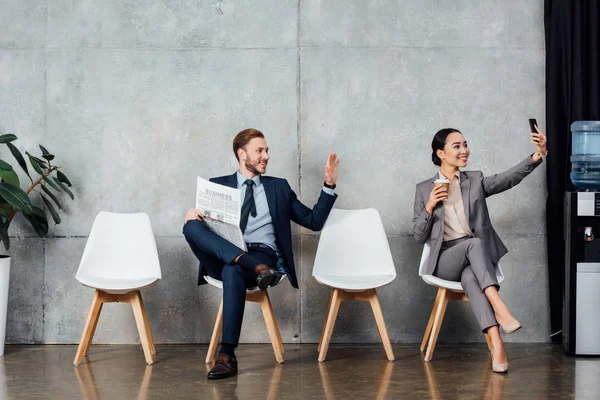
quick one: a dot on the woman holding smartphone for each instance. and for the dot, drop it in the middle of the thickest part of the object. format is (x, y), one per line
(454, 220)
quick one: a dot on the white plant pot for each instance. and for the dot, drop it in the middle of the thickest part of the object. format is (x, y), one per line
(4, 280)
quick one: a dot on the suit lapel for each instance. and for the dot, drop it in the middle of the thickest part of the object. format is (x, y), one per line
(465, 190)
(271, 196)
(231, 181)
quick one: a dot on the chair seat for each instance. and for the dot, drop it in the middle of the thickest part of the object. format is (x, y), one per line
(117, 285)
(355, 282)
(442, 283)
(451, 285)
(219, 284)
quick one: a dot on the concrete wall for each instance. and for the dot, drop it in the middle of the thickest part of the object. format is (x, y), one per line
(137, 98)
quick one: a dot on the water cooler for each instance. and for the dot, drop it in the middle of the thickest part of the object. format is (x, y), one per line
(581, 291)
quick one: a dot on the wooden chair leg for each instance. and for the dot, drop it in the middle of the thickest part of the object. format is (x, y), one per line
(276, 328)
(324, 324)
(148, 330)
(437, 323)
(135, 299)
(488, 341)
(95, 325)
(385, 338)
(430, 322)
(330, 322)
(271, 325)
(88, 330)
(216, 335)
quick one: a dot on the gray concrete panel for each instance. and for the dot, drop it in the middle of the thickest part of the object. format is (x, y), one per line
(137, 127)
(380, 108)
(167, 24)
(22, 24)
(429, 23)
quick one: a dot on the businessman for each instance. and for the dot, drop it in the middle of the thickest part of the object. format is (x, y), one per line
(269, 206)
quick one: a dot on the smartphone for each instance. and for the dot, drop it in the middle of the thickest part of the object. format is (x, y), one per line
(532, 124)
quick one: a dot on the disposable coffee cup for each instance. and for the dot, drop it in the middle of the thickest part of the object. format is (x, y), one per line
(442, 182)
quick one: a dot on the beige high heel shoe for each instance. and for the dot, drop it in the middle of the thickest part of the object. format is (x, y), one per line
(512, 328)
(497, 367)
(500, 368)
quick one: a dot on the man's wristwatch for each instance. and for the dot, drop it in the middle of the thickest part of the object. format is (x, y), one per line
(329, 186)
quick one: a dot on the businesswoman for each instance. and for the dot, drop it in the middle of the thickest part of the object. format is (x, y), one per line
(456, 224)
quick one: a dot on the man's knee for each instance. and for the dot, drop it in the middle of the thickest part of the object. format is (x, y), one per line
(191, 229)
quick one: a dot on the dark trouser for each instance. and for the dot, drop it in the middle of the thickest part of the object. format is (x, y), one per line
(216, 255)
(466, 260)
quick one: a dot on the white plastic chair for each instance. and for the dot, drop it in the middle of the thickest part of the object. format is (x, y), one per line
(119, 260)
(254, 295)
(447, 291)
(353, 258)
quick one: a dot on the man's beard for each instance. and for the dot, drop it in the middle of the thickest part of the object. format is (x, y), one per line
(252, 167)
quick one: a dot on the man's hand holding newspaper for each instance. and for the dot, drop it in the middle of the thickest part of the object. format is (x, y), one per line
(220, 208)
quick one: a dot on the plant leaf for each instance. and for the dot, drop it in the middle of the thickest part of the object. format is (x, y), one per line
(9, 137)
(5, 208)
(37, 218)
(46, 154)
(15, 196)
(5, 166)
(34, 164)
(63, 178)
(19, 157)
(65, 188)
(39, 161)
(4, 223)
(10, 177)
(50, 207)
(51, 183)
(52, 196)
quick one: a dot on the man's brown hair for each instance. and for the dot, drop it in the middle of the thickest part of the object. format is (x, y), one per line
(243, 138)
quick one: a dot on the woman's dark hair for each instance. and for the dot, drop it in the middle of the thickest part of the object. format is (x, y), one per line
(438, 142)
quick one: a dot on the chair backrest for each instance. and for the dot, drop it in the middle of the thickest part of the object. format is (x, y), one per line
(120, 246)
(353, 243)
(425, 259)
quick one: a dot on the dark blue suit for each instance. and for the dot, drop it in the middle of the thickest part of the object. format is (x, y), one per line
(216, 254)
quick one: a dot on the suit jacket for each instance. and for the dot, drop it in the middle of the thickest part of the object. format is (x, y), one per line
(475, 188)
(284, 207)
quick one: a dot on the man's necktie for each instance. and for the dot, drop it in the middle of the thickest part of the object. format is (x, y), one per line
(248, 207)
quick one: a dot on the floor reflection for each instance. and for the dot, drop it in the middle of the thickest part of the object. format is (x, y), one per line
(587, 371)
(89, 387)
(228, 388)
(3, 391)
(383, 381)
(491, 384)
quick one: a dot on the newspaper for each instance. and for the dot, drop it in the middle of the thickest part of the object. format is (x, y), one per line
(222, 209)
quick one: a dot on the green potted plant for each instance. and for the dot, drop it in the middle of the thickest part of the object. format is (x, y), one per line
(13, 200)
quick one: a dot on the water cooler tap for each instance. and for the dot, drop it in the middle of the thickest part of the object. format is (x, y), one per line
(588, 236)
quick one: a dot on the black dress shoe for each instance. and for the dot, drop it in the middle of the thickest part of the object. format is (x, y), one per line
(277, 279)
(225, 367)
(265, 277)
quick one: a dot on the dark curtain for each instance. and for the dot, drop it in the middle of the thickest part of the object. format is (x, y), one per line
(572, 94)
